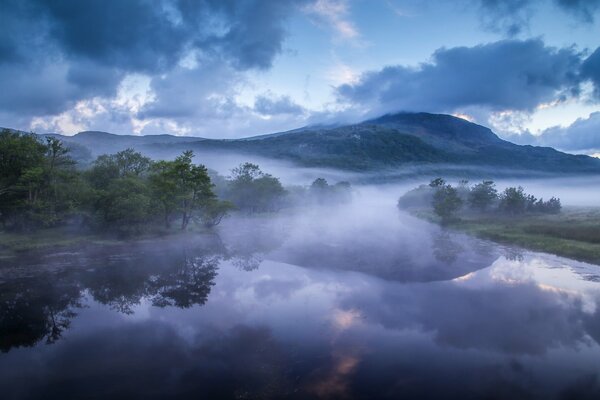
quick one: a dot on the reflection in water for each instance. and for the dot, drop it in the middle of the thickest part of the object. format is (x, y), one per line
(293, 308)
(35, 309)
(41, 306)
(445, 248)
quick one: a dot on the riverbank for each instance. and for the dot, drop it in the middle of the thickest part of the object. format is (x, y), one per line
(14, 244)
(574, 233)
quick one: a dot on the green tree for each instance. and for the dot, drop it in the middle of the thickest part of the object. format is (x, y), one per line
(251, 190)
(513, 200)
(194, 186)
(213, 211)
(483, 195)
(121, 194)
(32, 180)
(181, 186)
(446, 202)
(437, 182)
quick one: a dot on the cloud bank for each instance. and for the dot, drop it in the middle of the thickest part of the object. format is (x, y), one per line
(505, 75)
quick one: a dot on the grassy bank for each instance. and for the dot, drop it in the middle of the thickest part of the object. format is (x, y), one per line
(574, 233)
(13, 244)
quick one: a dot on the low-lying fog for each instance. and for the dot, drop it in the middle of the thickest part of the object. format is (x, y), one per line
(388, 186)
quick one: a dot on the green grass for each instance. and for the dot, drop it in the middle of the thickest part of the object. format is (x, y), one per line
(574, 233)
(13, 244)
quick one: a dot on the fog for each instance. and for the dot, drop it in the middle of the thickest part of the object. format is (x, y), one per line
(315, 300)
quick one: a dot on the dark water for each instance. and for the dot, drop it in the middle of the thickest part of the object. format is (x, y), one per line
(348, 302)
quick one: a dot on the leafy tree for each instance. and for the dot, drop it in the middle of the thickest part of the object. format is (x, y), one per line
(32, 180)
(319, 184)
(213, 211)
(180, 186)
(194, 186)
(126, 204)
(446, 202)
(108, 167)
(513, 200)
(121, 195)
(483, 195)
(417, 197)
(251, 190)
(553, 206)
(437, 182)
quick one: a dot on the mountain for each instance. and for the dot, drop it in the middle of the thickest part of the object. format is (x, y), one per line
(385, 143)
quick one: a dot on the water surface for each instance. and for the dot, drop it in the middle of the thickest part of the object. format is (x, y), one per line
(353, 301)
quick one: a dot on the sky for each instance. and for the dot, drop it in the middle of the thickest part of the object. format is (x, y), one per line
(528, 69)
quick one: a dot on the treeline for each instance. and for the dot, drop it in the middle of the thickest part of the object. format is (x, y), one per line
(449, 201)
(42, 186)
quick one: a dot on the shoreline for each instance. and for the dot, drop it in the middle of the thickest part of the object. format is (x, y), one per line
(574, 233)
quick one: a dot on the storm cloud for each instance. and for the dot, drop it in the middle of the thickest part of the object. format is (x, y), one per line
(505, 75)
(512, 17)
(60, 52)
(591, 70)
(581, 135)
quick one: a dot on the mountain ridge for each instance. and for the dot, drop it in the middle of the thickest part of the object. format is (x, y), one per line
(387, 142)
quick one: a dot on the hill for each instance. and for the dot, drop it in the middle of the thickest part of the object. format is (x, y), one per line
(385, 143)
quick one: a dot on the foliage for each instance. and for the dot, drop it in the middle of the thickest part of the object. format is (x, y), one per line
(253, 191)
(181, 187)
(417, 197)
(324, 193)
(513, 200)
(446, 202)
(37, 181)
(126, 191)
(213, 211)
(483, 195)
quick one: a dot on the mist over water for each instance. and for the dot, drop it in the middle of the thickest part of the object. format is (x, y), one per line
(316, 302)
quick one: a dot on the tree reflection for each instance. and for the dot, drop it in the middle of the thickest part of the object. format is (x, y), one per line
(187, 284)
(37, 308)
(42, 306)
(445, 249)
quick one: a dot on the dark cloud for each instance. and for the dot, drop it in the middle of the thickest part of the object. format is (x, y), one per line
(131, 35)
(258, 33)
(581, 135)
(512, 17)
(584, 10)
(505, 75)
(590, 69)
(55, 53)
(269, 105)
(507, 16)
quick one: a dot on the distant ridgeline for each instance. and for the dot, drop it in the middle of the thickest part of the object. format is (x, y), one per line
(389, 143)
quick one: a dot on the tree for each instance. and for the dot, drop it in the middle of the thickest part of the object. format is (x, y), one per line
(32, 177)
(180, 186)
(553, 206)
(437, 182)
(446, 202)
(251, 190)
(483, 195)
(213, 211)
(319, 184)
(108, 167)
(121, 194)
(125, 205)
(513, 200)
(194, 186)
